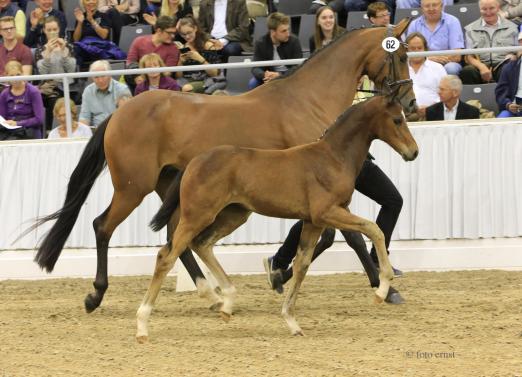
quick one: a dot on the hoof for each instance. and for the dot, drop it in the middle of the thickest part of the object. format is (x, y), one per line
(142, 339)
(90, 303)
(394, 298)
(378, 299)
(216, 307)
(218, 291)
(298, 333)
(225, 316)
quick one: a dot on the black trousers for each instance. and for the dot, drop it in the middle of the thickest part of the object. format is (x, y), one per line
(371, 182)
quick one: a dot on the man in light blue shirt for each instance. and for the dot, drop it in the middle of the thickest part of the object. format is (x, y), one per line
(442, 31)
(100, 98)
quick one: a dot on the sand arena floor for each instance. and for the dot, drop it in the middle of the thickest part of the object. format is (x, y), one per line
(454, 324)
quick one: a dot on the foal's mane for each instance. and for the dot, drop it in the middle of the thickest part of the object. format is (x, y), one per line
(320, 50)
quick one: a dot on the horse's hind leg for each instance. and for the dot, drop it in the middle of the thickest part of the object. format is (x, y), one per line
(309, 237)
(122, 204)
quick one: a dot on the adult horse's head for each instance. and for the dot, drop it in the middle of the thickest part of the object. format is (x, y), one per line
(387, 65)
(389, 125)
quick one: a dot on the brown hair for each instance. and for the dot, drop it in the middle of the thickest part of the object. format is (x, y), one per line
(275, 19)
(201, 36)
(416, 34)
(373, 8)
(60, 102)
(318, 35)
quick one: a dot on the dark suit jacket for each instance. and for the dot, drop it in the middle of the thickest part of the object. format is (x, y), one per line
(507, 84)
(464, 111)
(237, 21)
(264, 50)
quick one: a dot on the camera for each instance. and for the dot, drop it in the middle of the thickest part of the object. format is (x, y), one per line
(184, 50)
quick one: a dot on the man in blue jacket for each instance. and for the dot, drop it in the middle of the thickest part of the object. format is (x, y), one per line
(508, 91)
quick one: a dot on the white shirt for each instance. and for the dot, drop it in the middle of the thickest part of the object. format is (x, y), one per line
(81, 131)
(426, 82)
(450, 114)
(219, 29)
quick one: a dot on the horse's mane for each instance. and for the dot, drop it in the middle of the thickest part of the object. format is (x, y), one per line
(320, 50)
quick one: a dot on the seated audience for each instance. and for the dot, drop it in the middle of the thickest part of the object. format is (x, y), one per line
(35, 37)
(511, 10)
(508, 91)
(161, 43)
(442, 31)
(12, 48)
(378, 14)
(405, 4)
(91, 35)
(200, 51)
(336, 5)
(450, 106)
(9, 9)
(176, 9)
(228, 23)
(21, 106)
(56, 56)
(78, 129)
(362, 5)
(99, 99)
(277, 44)
(121, 13)
(426, 74)
(490, 30)
(326, 28)
(156, 80)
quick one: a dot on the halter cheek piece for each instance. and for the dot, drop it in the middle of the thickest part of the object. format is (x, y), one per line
(389, 83)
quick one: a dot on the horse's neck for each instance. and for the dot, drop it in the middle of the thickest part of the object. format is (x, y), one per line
(350, 140)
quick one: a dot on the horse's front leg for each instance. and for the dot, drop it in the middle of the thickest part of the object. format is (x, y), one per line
(342, 219)
(309, 236)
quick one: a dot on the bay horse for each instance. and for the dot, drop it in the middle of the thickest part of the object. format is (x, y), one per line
(147, 142)
(313, 182)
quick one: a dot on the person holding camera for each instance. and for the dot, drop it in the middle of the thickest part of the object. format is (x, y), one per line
(35, 37)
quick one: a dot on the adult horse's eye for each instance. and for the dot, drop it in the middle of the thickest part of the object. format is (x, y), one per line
(397, 121)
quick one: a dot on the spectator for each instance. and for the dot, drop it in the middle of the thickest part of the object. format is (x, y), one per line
(161, 43)
(277, 44)
(21, 106)
(511, 10)
(121, 12)
(404, 4)
(56, 56)
(227, 21)
(442, 31)
(426, 74)
(450, 107)
(35, 37)
(156, 80)
(362, 5)
(176, 9)
(100, 98)
(490, 30)
(12, 49)
(508, 91)
(200, 51)
(122, 100)
(378, 14)
(326, 28)
(336, 5)
(8, 9)
(60, 132)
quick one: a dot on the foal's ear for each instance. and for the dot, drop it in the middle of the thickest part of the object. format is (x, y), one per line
(401, 27)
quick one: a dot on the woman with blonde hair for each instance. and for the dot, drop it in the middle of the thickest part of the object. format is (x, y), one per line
(21, 106)
(326, 28)
(155, 80)
(172, 8)
(78, 129)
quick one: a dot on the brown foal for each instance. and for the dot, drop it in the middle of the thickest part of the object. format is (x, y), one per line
(313, 182)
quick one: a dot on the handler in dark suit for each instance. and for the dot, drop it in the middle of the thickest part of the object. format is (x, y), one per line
(450, 107)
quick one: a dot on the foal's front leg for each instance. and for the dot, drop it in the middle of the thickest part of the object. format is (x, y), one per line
(341, 218)
(309, 236)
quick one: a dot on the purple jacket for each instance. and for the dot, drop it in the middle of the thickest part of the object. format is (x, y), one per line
(166, 82)
(27, 109)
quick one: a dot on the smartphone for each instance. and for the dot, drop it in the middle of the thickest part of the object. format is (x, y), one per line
(184, 50)
(53, 35)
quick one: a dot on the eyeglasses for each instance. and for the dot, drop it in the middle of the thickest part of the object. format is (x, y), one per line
(171, 33)
(8, 28)
(186, 34)
(383, 15)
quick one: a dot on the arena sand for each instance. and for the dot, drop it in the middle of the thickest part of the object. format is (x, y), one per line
(454, 324)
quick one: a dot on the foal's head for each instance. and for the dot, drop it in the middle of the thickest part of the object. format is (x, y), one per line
(389, 124)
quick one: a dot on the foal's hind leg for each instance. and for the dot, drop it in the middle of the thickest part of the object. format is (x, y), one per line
(309, 237)
(122, 204)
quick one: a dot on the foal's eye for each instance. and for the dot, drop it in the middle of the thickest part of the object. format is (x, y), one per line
(397, 121)
(403, 58)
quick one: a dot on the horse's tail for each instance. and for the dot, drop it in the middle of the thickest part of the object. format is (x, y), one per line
(171, 202)
(91, 164)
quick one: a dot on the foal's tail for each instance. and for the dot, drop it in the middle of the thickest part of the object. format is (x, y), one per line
(91, 164)
(171, 202)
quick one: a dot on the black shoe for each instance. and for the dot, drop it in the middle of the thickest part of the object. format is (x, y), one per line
(274, 277)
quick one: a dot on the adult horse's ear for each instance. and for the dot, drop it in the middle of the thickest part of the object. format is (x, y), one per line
(401, 27)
